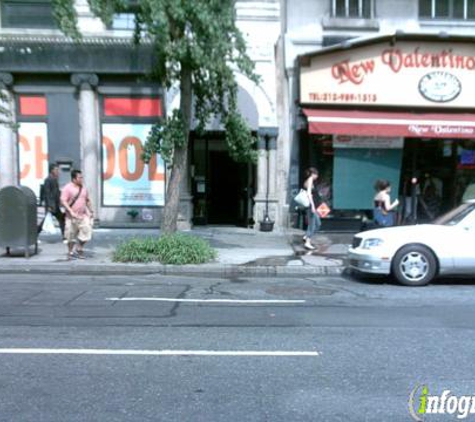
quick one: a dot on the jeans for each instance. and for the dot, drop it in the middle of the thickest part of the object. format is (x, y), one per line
(384, 219)
(313, 223)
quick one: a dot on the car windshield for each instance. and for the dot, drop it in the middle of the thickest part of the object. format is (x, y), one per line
(456, 215)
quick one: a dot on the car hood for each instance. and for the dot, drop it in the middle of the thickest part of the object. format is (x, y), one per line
(418, 231)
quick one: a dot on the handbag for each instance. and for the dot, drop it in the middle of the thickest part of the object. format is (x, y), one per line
(302, 199)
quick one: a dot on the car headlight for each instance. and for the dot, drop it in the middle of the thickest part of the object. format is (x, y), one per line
(371, 243)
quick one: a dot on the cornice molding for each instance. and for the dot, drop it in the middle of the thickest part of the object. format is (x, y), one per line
(6, 39)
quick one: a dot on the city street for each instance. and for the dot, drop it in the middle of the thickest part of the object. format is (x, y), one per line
(156, 348)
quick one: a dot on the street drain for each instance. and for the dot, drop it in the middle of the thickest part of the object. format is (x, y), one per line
(300, 291)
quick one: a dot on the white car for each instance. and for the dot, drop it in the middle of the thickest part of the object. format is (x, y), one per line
(416, 254)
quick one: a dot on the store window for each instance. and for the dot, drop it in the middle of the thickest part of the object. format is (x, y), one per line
(36, 14)
(447, 9)
(32, 140)
(352, 9)
(126, 179)
(123, 22)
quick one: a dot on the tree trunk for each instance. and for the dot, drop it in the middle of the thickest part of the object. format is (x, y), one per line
(180, 158)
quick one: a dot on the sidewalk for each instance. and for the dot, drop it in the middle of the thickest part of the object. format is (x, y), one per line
(241, 251)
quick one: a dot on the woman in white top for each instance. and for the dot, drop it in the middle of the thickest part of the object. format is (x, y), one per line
(313, 219)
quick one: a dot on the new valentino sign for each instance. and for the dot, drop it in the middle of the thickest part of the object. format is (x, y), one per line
(427, 74)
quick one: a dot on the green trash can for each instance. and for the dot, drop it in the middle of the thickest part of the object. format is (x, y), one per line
(18, 213)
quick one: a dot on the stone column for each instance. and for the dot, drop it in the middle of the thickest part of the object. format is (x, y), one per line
(273, 199)
(261, 189)
(8, 148)
(272, 163)
(89, 133)
(185, 211)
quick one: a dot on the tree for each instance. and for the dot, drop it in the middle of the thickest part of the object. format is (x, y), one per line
(198, 48)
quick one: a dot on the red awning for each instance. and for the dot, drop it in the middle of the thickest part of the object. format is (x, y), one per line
(378, 123)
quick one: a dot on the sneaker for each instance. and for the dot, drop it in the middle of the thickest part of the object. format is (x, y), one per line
(308, 245)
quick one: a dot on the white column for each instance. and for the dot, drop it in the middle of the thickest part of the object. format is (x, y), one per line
(272, 163)
(8, 150)
(272, 199)
(185, 210)
(89, 133)
(261, 168)
(261, 189)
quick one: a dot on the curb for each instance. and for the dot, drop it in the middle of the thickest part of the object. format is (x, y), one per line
(188, 270)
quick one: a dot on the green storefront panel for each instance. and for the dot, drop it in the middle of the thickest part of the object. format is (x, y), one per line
(356, 171)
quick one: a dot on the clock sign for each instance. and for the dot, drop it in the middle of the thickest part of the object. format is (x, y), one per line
(440, 87)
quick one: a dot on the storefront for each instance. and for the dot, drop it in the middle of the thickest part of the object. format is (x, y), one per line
(394, 107)
(91, 105)
(86, 106)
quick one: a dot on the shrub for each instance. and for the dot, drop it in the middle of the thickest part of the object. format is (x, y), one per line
(176, 249)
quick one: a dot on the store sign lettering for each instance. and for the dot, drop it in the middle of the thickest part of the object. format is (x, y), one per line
(397, 61)
(34, 155)
(440, 130)
(120, 157)
(354, 73)
(126, 179)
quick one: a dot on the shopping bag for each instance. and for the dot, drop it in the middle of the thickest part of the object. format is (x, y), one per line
(48, 225)
(302, 199)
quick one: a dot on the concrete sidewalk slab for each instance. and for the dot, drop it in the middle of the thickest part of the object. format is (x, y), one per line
(241, 252)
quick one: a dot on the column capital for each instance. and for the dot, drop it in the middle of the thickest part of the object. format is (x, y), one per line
(85, 80)
(268, 132)
(267, 138)
(6, 80)
(272, 143)
(261, 143)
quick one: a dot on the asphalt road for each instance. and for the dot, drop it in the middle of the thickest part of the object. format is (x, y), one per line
(155, 348)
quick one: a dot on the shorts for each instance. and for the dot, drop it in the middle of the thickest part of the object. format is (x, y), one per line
(78, 229)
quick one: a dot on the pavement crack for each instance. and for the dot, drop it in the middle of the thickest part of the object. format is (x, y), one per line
(74, 298)
(211, 290)
(120, 297)
(25, 301)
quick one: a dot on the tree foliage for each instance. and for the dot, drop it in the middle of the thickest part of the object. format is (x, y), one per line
(198, 47)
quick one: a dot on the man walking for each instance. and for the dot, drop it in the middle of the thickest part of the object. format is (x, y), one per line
(52, 197)
(79, 215)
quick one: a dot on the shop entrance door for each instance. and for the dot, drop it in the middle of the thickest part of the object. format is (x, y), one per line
(222, 188)
(434, 163)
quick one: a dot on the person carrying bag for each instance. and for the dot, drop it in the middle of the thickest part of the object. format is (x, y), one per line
(79, 214)
(383, 212)
(313, 219)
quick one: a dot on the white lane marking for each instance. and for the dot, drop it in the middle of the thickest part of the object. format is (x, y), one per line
(125, 352)
(170, 299)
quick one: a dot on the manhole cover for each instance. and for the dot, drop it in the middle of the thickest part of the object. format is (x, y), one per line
(300, 291)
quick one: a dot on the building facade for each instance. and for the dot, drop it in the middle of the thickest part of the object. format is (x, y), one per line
(90, 105)
(378, 89)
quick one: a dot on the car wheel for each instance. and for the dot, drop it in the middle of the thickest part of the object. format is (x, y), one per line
(414, 265)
